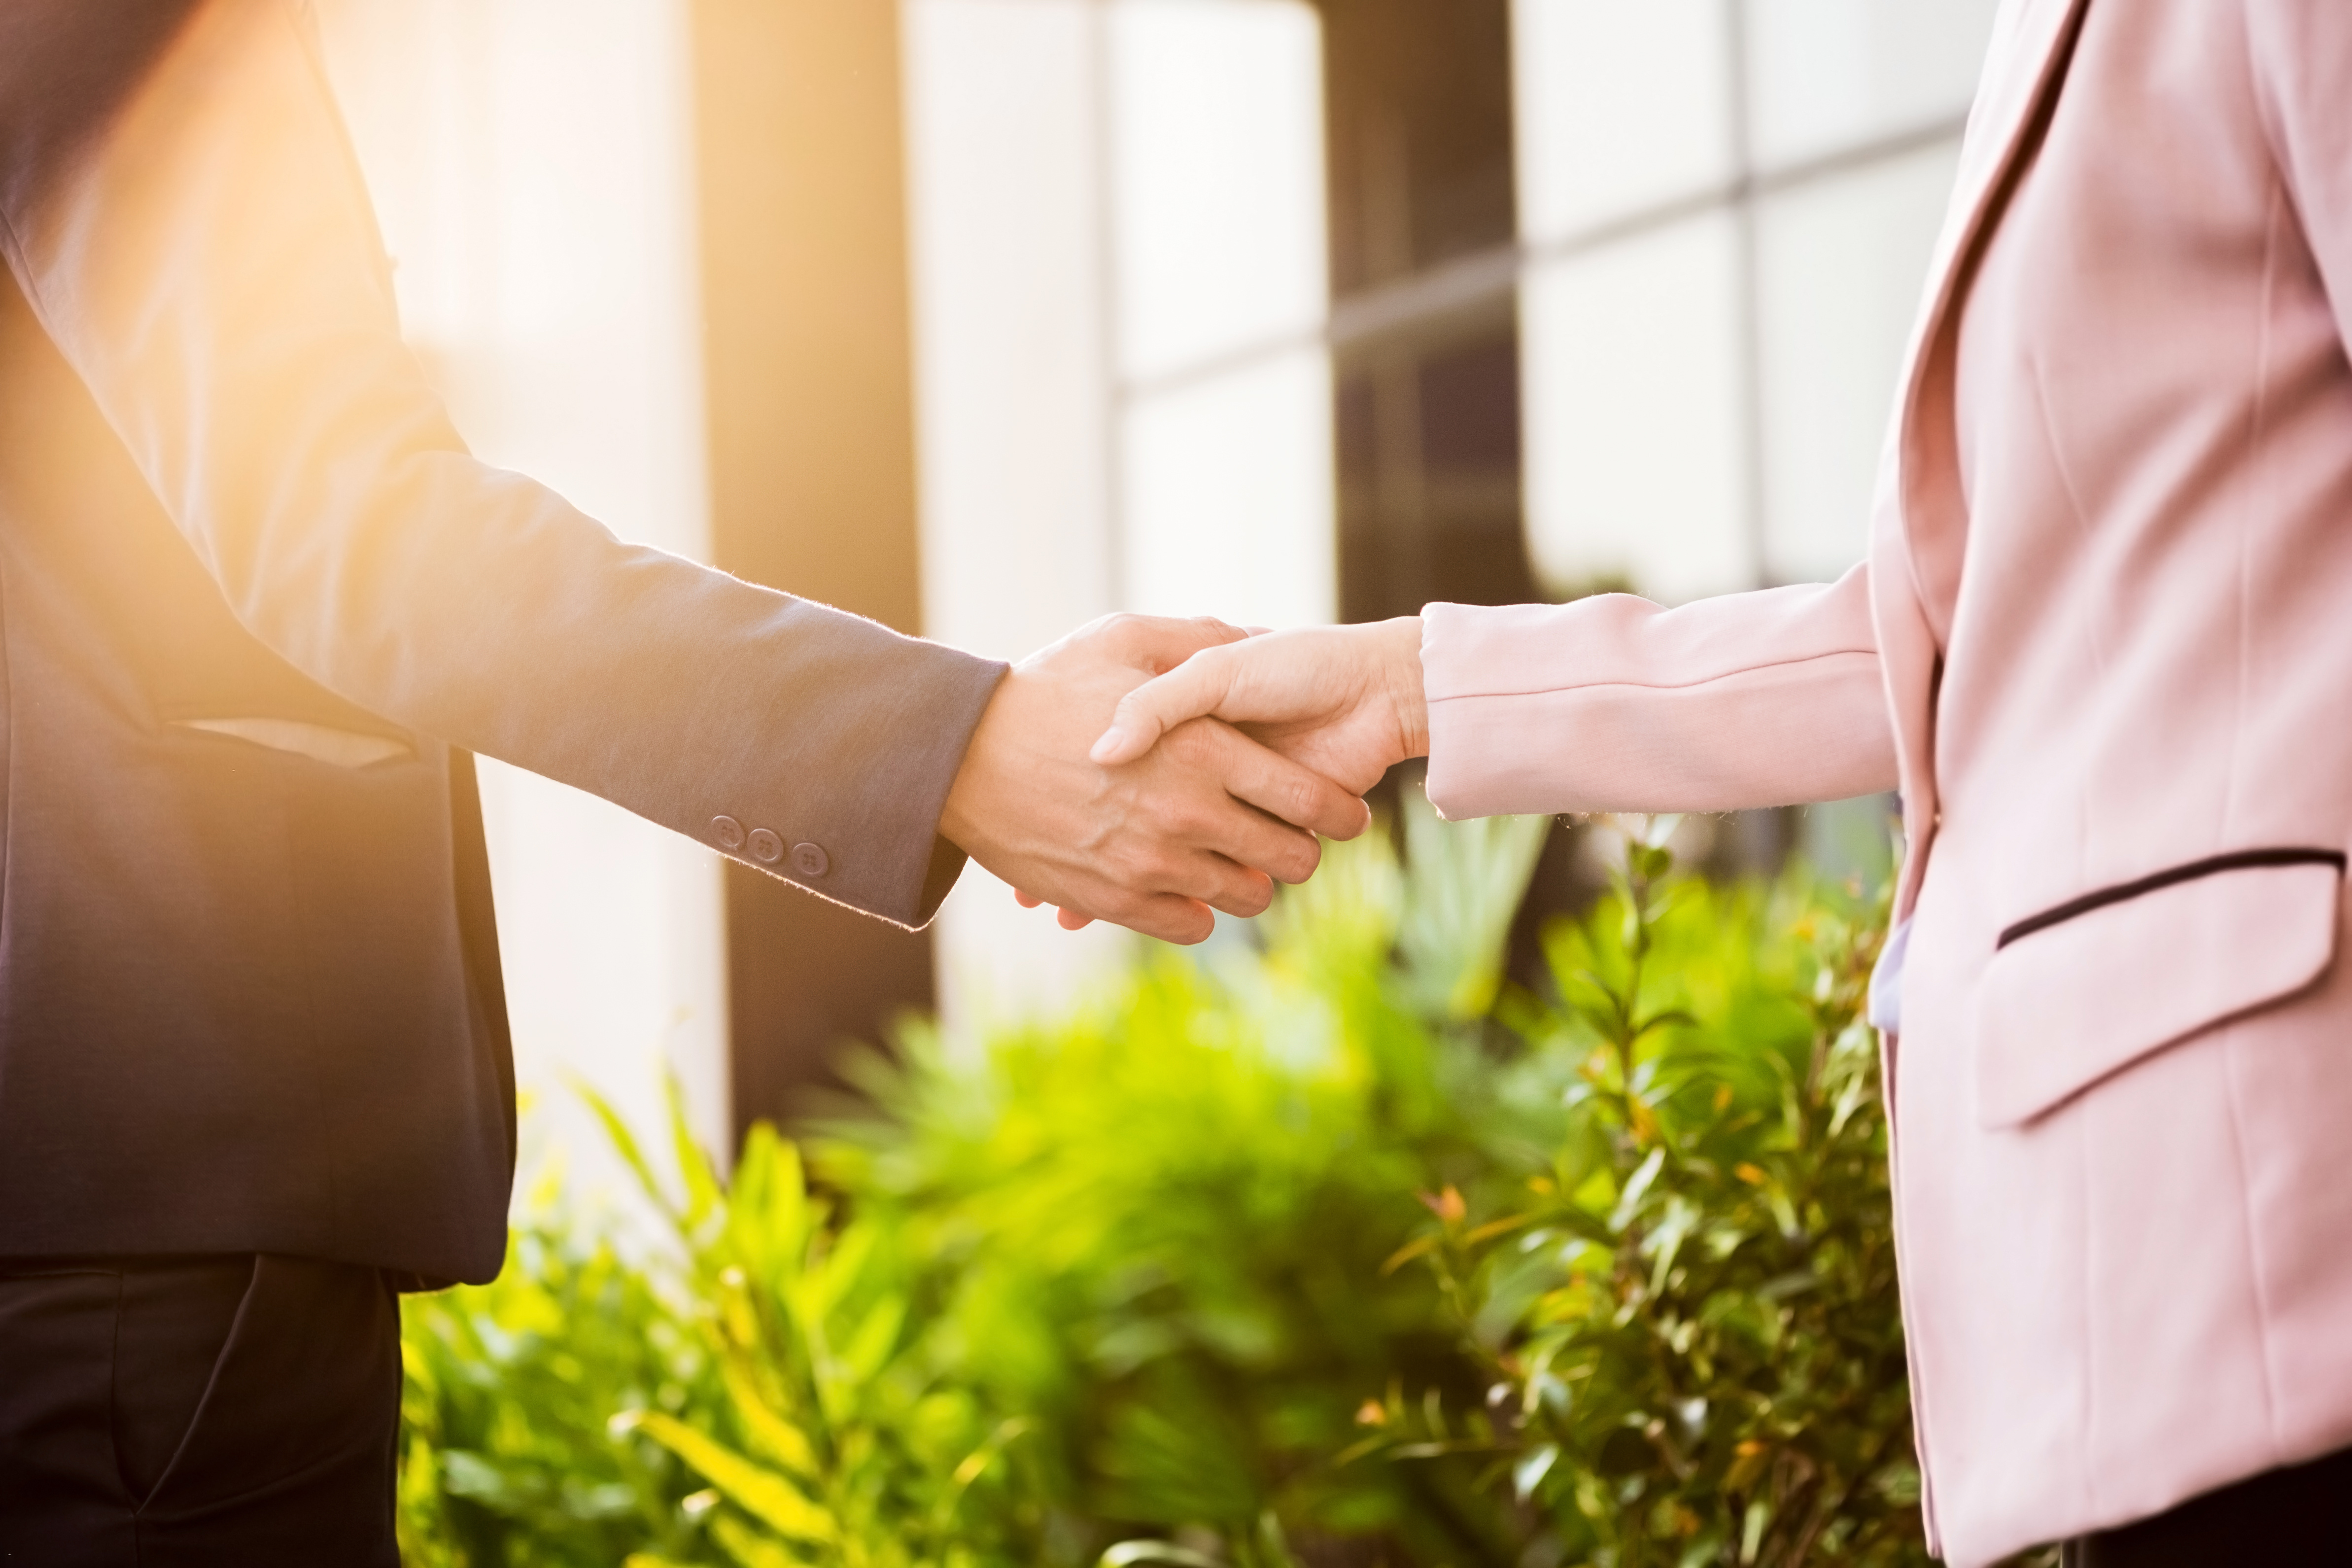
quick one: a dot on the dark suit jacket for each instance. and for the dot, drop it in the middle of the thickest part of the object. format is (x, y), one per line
(250, 996)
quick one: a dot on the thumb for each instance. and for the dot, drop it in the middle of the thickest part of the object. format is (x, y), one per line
(1197, 686)
(1155, 643)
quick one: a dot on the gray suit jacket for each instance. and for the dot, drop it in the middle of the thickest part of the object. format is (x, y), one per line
(257, 604)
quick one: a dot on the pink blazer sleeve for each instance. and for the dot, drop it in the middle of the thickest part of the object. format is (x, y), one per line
(1613, 704)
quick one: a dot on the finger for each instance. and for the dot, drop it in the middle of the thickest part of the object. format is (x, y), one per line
(1208, 878)
(1204, 846)
(1171, 917)
(1193, 688)
(1282, 788)
(1027, 901)
(1248, 896)
(1198, 810)
(1237, 834)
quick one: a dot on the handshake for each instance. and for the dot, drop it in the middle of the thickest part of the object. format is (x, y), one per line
(1146, 771)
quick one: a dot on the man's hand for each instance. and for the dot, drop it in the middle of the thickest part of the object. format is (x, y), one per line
(1205, 820)
(1346, 701)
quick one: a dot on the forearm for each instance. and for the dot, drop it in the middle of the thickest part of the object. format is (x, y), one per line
(1614, 704)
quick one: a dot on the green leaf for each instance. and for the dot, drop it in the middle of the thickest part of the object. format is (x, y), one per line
(753, 1487)
(1418, 1248)
(750, 1550)
(876, 1337)
(624, 1143)
(1132, 1552)
(702, 1192)
(1628, 1203)
(775, 1436)
(1532, 1468)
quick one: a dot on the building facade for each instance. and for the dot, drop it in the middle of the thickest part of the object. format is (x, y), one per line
(989, 317)
(1281, 310)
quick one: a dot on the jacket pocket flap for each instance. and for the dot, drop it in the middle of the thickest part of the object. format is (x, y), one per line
(2069, 1001)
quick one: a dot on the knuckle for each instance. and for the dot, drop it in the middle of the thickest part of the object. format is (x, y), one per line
(1194, 743)
(1191, 817)
(1131, 866)
(1132, 863)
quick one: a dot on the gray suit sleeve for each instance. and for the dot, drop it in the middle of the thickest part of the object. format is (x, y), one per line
(209, 264)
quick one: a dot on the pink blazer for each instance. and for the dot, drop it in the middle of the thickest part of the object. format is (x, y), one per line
(2114, 683)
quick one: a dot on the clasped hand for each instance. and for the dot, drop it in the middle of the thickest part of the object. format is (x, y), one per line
(1147, 771)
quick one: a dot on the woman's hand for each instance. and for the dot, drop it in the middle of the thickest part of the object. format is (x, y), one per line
(1346, 701)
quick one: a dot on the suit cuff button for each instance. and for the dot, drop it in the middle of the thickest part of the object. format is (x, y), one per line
(727, 832)
(766, 847)
(811, 860)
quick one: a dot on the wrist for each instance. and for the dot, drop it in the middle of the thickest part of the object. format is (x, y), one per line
(1400, 666)
(961, 812)
(955, 823)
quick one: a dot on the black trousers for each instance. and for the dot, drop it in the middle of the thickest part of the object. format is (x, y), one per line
(2281, 1519)
(157, 1414)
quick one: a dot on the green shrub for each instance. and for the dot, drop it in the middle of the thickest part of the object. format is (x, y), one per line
(1333, 1250)
(1691, 1318)
(509, 1461)
(749, 1396)
(1156, 1230)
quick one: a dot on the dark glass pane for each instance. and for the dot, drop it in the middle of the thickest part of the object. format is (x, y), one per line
(1418, 106)
(1429, 479)
(1470, 407)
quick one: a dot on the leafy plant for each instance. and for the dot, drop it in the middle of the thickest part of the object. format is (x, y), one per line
(1690, 1320)
(1333, 1250)
(839, 1446)
(1156, 1229)
(508, 1461)
(747, 1396)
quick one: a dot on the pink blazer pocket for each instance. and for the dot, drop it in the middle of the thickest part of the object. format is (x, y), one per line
(2085, 990)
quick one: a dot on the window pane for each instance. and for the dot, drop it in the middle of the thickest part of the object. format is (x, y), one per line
(1841, 264)
(1621, 104)
(1635, 454)
(1012, 382)
(1421, 134)
(1226, 487)
(1428, 478)
(1216, 177)
(1005, 192)
(1827, 74)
